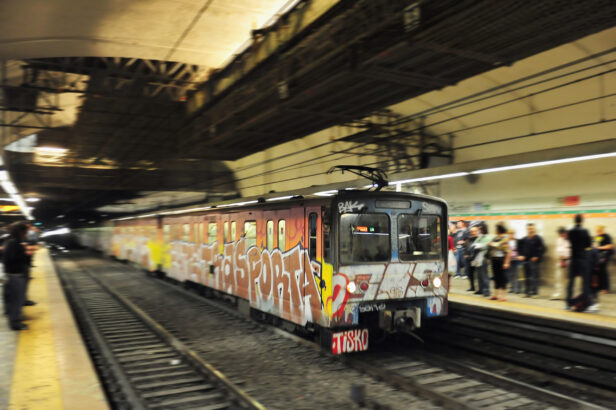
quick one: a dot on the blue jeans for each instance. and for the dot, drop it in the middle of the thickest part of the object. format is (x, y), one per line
(483, 278)
(460, 262)
(531, 272)
(512, 277)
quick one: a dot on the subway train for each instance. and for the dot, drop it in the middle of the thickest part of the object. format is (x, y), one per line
(348, 266)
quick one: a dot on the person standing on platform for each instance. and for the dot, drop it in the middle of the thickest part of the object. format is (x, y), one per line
(531, 251)
(460, 239)
(481, 260)
(512, 272)
(580, 245)
(451, 250)
(500, 256)
(563, 254)
(16, 265)
(31, 246)
(605, 249)
(470, 253)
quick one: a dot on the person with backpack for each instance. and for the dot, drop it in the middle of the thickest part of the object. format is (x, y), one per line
(470, 253)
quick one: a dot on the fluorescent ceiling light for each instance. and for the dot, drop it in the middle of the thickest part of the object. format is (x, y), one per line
(8, 187)
(280, 198)
(60, 231)
(51, 150)
(33, 199)
(327, 193)
(542, 163)
(430, 178)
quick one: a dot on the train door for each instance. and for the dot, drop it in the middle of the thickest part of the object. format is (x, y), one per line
(313, 262)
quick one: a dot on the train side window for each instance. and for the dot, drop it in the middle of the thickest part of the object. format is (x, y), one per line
(312, 235)
(166, 233)
(233, 231)
(250, 233)
(211, 233)
(225, 231)
(269, 235)
(419, 237)
(282, 235)
(186, 235)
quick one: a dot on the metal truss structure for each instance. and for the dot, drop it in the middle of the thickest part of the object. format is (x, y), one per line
(369, 54)
(323, 63)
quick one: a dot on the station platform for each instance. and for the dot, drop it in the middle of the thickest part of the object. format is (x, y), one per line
(47, 366)
(541, 305)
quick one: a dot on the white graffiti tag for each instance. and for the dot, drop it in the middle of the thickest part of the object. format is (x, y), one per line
(349, 206)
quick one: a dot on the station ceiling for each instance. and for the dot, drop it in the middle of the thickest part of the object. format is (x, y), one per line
(156, 96)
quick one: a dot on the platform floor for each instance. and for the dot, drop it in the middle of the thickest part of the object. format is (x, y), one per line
(47, 366)
(541, 305)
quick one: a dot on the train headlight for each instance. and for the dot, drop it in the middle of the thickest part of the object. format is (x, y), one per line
(437, 282)
(351, 287)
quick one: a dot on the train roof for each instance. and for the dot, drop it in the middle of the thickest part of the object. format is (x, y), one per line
(279, 200)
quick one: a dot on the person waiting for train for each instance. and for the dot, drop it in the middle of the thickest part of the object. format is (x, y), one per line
(563, 254)
(530, 251)
(470, 253)
(578, 266)
(512, 272)
(16, 266)
(500, 256)
(605, 249)
(460, 239)
(482, 261)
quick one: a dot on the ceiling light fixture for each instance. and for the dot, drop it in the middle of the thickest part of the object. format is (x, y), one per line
(543, 163)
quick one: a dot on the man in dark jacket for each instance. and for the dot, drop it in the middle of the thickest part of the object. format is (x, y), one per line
(530, 251)
(16, 267)
(580, 244)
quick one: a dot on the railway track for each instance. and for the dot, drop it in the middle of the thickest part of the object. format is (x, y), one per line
(143, 366)
(443, 381)
(583, 354)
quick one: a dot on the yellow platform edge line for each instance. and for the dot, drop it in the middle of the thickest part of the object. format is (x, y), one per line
(80, 385)
(590, 319)
(36, 381)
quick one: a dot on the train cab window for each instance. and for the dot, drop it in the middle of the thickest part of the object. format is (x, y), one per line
(211, 233)
(233, 231)
(186, 233)
(364, 238)
(250, 233)
(312, 235)
(282, 235)
(225, 231)
(419, 237)
(269, 235)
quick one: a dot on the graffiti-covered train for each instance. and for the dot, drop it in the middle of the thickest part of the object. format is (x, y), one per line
(349, 265)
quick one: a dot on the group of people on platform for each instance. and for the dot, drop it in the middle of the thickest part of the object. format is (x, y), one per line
(17, 248)
(480, 256)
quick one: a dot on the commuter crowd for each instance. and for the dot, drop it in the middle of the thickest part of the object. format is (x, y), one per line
(17, 248)
(514, 264)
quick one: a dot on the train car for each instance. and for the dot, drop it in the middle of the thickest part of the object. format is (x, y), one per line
(346, 265)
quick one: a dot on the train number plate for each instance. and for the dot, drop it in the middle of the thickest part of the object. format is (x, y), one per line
(350, 341)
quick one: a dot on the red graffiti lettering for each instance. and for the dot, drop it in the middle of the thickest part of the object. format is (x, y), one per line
(350, 341)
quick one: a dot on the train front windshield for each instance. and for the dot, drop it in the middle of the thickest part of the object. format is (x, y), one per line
(375, 234)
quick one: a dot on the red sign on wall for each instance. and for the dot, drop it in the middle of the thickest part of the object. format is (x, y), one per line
(571, 200)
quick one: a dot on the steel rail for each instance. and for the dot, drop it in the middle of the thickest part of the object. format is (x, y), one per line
(104, 331)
